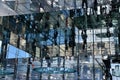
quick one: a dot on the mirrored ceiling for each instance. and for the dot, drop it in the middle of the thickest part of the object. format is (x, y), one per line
(36, 6)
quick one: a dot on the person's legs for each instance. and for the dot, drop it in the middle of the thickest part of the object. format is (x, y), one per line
(49, 63)
(82, 3)
(86, 4)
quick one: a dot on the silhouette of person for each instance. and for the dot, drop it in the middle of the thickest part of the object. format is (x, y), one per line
(86, 4)
(95, 5)
(84, 37)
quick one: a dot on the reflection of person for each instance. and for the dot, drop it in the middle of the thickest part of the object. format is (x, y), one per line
(84, 38)
(113, 72)
(117, 72)
(34, 48)
(95, 5)
(55, 36)
(47, 57)
(86, 4)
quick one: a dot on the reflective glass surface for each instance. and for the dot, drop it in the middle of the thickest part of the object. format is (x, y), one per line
(6, 72)
(54, 70)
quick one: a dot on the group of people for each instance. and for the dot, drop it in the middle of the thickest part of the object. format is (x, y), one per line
(113, 6)
(85, 5)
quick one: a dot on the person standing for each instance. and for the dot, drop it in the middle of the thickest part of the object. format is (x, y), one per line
(34, 48)
(84, 3)
(55, 36)
(84, 38)
(47, 57)
(95, 5)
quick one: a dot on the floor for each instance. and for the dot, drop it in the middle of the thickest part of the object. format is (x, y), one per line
(84, 69)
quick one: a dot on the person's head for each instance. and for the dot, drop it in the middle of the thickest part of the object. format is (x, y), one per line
(116, 66)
